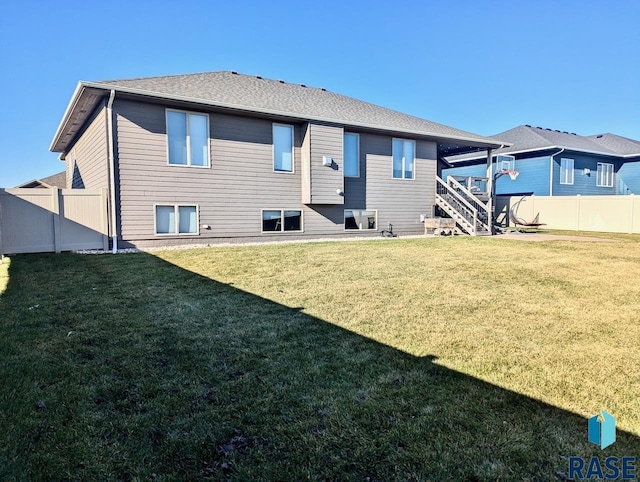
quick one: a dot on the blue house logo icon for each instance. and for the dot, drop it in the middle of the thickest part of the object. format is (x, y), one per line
(602, 429)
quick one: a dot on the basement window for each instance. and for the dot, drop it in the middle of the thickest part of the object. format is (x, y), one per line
(361, 220)
(281, 220)
(176, 219)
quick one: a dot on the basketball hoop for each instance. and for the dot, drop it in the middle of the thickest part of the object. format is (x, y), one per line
(513, 174)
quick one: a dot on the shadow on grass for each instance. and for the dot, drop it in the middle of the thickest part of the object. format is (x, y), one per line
(130, 368)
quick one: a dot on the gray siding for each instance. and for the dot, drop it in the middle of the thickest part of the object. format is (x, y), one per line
(240, 181)
(399, 201)
(305, 160)
(355, 188)
(87, 163)
(325, 181)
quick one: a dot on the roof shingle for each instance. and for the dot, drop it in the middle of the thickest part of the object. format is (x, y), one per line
(526, 138)
(263, 95)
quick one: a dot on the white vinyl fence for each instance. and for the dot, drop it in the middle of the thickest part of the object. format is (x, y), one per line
(52, 220)
(607, 214)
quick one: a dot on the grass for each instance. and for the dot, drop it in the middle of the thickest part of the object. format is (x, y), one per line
(423, 359)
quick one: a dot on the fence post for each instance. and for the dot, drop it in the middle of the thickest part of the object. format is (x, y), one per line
(1, 243)
(55, 208)
(632, 199)
(578, 212)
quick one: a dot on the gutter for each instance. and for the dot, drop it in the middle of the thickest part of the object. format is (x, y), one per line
(551, 170)
(574, 149)
(112, 169)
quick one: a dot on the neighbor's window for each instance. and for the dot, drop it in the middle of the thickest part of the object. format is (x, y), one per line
(280, 220)
(566, 171)
(351, 155)
(356, 219)
(403, 158)
(605, 175)
(188, 138)
(175, 219)
(282, 148)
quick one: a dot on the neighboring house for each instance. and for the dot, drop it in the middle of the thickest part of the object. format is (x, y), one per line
(55, 180)
(223, 156)
(558, 163)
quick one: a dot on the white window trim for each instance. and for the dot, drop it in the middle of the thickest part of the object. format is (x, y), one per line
(415, 156)
(357, 153)
(293, 149)
(177, 217)
(188, 164)
(282, 231)
(344, 224)
(572, 170)
(598, 174)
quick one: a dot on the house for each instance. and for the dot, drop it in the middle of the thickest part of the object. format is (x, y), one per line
(557, 163)
(56, 180)
(223, 156)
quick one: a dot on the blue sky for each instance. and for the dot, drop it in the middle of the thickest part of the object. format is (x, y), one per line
(482, 66)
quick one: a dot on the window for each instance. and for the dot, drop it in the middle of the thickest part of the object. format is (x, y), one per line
(176, 219)
(351, 155)
(364, 220)
(605, 175)
(403, 158)
(566, 171)
(187, 138)
(282, 148)
(280, 220)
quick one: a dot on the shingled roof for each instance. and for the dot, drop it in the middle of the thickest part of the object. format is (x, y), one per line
(274, 97)
(619, 144)
(56, 180)
(526, 138)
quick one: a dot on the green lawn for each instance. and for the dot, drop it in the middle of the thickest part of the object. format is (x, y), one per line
(418, 359)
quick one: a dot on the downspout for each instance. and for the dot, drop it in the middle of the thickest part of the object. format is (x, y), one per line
(112, 170)
(551, 171)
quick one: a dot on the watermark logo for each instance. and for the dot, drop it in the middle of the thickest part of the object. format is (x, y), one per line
(602, 429)
(602, 432)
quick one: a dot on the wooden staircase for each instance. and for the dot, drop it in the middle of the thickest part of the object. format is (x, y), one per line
(468, 209)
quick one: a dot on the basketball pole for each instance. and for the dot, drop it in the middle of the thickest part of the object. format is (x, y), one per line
(491, 189)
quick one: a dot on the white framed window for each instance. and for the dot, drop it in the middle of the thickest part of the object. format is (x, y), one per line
(281, 220)
(176, 219)
(604, 177)
(282, 148)
(404, 155)
(360, 219)
(351, 155)
(187, 138)
(566, 171)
